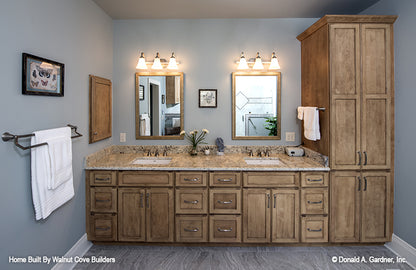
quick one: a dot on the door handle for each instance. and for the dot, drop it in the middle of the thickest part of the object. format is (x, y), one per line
(147, 200)
(141, 200)
(359, 158)
(274, 200)
(268, 200)
(365, 183)
(359, 183)
(365, 158)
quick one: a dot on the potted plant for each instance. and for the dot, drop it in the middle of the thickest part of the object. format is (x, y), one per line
(195, 137)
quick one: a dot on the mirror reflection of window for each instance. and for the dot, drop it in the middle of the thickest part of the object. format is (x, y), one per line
(158, 106)
(256, 105)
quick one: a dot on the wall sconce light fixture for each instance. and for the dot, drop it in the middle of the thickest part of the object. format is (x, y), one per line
(257, 63)
(158, 63)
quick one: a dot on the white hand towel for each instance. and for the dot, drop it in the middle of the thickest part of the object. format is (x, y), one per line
(310, 116)
(176, 122)
(60, 156)
(45, 200)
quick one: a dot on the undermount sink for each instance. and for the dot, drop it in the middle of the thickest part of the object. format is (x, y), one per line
(262, 161)
(152, 161)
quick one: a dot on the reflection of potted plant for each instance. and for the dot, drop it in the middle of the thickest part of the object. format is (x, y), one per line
(195, 138)
(271, 125)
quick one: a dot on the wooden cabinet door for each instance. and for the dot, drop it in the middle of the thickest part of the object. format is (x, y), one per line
(131, 214)
(345, 95)
(345, 206)
(285, 215)
(256, 215)
(159, 215)
(375, 207)
(377, 89)
(100, 108)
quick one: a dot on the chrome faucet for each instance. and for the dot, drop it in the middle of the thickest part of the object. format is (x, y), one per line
(156, 153)
(250, 153)
(149, 153)
(165, 152)
(267, 153)
(259, 153)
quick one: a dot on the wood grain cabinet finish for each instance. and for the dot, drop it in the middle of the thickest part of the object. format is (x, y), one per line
(103, 227)
(225, 228)
(191, 201)
(314, 201)
(132, 214)
(270, 179)
(315, 229)
(103, 178)
(159, 215)
(100, 109)
(225, 179)
(314, 179)
(192, 228)
(103, 199)
(191, 179)
(285, 216)
(256, 215)
(225, 201)
(145, 178)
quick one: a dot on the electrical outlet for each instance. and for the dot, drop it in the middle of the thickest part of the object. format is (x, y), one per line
(122, 137)
(290, 136)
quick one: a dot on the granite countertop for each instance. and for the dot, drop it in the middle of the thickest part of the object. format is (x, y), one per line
(183, 161)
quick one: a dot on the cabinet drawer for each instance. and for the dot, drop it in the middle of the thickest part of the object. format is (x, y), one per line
(103, 227)
(145, 178)
(103, 178)
(270, 179)
(225, 201)
(225, 179)
(225, 228)
(191, 228)
(314, 201)
(314, 179)
(191, 201)
(314, 229)
(103, 199)
(191, 179)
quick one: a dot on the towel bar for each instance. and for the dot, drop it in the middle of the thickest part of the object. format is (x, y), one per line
(6, 136)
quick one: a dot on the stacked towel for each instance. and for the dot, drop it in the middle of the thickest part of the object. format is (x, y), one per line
(310, 117)
(52, 178)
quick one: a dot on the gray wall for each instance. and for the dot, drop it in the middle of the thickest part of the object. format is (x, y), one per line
(405, 96)
(207, 50)
(80, 35)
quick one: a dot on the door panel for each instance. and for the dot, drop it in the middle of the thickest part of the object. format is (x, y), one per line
(256, 216)
(159, 215)
(285, 216)
(131, 218)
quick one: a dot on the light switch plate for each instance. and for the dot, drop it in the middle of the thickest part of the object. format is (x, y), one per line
(290, 136)
(122, 137)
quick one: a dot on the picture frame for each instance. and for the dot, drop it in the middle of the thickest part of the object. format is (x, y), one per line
(41, 76)
(208, 98)
(141, 92)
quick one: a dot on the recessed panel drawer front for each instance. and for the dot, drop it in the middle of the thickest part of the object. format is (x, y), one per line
(145, 178)
(191, 201)
(270, 179)
(191, 179)
(103, 199)
(103, 227)
(225, 201)
(191, 228)
(103, 178)
(225, 179)
(314, 201)
(225, 228)
(314, 179)
(314, 229)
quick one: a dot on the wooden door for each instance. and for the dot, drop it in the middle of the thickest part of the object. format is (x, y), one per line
(100, 109)
(345, 96)
(375, 207)
(285, 215)
(131, 214)
(377, 89)
(159, 215)
(345, 206)
(256, 215)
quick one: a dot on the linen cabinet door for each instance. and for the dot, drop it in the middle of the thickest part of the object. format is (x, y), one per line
(159, 215)
(131, 218)
(256, 215)
(345, 96)
(377, 90)
(375, 207)
(285, 216)
(345, 206)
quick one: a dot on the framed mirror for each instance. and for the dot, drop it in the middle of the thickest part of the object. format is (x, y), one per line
(256, 106)
(159, 105)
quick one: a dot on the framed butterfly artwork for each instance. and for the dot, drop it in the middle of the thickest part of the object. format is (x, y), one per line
(41, 76)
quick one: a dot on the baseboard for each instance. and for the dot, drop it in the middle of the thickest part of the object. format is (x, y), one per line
(79, 249)
(403, 249)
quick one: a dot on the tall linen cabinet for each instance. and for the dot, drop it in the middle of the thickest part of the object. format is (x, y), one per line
(347, 68)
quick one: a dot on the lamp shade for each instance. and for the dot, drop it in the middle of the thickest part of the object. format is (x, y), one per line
(172, 62)
(274, 63)
(258, 64)
(141, 64)
(243, 63)
(156, 62)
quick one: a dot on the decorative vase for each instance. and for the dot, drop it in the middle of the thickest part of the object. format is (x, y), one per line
(193, 151)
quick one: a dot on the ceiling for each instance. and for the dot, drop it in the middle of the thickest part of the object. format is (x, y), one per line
(206, 9)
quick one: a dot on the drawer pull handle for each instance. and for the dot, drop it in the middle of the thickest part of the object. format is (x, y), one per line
(102, 179)
(97, 200)
(314, 202)
(196, 179)
(315, 180)
(225, 230)
(147, 200)
(102, 228)
(191, 230)
(192, 202)
(141, 200)
(224, 180)
(310, 230)
(223, 202)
